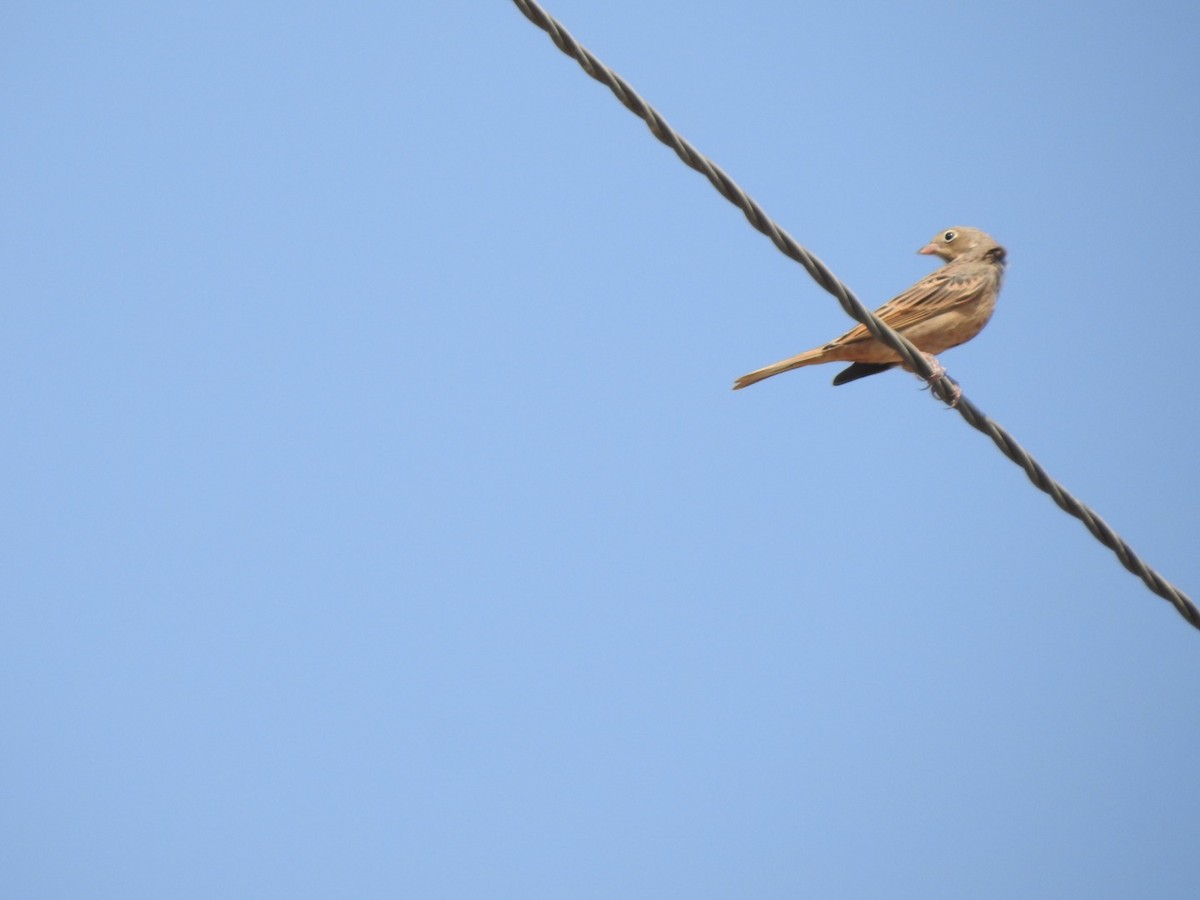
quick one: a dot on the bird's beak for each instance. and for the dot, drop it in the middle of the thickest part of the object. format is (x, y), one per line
(929, 249)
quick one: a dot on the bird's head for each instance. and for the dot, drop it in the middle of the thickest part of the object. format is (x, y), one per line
(960, 241)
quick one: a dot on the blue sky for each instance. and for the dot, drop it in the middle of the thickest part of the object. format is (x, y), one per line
(380, 523)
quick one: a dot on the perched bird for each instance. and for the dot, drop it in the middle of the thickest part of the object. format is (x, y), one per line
(946, 308)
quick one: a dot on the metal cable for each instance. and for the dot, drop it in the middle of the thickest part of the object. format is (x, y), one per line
(942, 387)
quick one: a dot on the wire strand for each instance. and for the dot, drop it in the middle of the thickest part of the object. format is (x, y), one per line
(943, 387)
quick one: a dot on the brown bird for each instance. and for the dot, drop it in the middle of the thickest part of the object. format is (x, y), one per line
(942, 310)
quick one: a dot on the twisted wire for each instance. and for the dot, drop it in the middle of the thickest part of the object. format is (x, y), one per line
(942, 387)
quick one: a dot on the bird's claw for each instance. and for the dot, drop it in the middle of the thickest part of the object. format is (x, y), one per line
(937, 373)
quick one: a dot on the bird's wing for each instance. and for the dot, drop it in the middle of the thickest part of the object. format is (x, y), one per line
(945, 289)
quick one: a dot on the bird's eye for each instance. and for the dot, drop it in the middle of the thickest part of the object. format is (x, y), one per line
(949, 236)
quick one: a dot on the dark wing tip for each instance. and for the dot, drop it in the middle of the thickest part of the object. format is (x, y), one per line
(861, 370)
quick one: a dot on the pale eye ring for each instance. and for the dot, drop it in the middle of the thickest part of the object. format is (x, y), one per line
(949, 236)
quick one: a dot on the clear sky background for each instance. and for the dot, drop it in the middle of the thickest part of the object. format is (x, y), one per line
(379, 522)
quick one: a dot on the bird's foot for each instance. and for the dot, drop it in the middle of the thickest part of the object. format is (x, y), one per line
(938, 369)
(937, 374)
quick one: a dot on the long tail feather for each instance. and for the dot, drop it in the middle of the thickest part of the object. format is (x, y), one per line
(807, 358)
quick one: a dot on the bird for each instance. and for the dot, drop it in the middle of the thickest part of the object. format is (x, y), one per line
(947, 307)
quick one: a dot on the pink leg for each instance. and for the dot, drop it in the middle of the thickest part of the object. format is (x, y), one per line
(939, 371)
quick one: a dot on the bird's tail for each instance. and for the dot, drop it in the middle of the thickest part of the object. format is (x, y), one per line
(808, 358)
